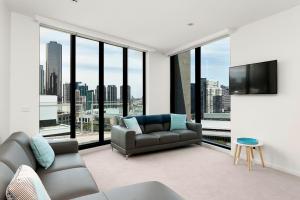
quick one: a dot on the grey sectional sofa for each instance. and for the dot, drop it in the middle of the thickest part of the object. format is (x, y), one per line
(156, 135)
(68, 177)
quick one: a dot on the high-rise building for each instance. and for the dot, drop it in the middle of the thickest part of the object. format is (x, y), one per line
(66, 92)
(212, 89)
(89, 99)
(42, 80)
(128, 92)
(112, 94)
(217, 104)
(54, 70)
(104, 93)
(203, 96)
(83, 89)
(226, 98)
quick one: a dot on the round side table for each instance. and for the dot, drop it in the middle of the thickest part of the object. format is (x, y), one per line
(249, 152)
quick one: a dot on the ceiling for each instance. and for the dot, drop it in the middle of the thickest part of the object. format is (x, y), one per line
(160, 24)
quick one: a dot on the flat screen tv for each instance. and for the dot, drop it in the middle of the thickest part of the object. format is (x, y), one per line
(256, 78)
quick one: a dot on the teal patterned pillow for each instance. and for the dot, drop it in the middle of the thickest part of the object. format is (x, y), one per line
(178, 121)
(42, 151)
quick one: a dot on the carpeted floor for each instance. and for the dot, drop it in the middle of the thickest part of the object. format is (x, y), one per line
(194, 172)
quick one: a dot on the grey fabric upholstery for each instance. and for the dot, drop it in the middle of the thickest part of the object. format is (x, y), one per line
(69, 183)
(143, 140)
(166, 137)
(63, 161)
(156, 135)
(6, 174)
(13, 155)
(150, 128)
(123, 137)
(64, 146)
(186, 134)
(24, 140)
(146, 191)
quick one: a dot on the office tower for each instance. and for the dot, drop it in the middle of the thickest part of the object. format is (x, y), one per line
(66, 92)
(203, 96)
(89, 99)
(42, 80)
(225, 98)
(112, 94)
(83, 89)
(104, 93)
(128, 92)
(212, 89)
(217, 104)
(54, 70)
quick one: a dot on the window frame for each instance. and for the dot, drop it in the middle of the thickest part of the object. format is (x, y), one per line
(101, 141)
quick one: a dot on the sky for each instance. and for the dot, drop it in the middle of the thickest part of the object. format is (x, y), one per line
(215, 61)
(87, 69)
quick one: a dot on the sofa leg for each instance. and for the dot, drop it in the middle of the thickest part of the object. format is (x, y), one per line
(126, 156)
(112, 148)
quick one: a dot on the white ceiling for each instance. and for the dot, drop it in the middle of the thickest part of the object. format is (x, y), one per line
(161, 24)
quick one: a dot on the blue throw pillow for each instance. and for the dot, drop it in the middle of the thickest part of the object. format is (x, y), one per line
(42, 151)
(132, 123)
(178, 121)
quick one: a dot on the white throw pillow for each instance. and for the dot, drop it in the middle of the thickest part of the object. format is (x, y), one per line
(25, 185)
(132, 123)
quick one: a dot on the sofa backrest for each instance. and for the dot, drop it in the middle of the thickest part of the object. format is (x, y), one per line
(14, 152)
(153, 123)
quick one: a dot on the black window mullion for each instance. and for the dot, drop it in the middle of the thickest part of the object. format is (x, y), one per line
(125, 82)
(144, 83)
(101, 92)
(198, 103)
(73, 86)
(172, 86)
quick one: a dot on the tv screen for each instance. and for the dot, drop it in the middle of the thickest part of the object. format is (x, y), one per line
(257, 78)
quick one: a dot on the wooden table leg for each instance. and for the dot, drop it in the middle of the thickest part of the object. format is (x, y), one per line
(248, 157)
(235, 153)
(238, 154)
(252, 154)
(261, 156)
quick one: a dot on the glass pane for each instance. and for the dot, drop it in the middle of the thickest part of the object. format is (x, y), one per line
(54, 72)
(113, 81)
(135, 82)
(184, 84)
(215, 98)
(86, 93)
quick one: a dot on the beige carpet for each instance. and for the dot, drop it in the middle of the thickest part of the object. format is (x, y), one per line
(194, 172)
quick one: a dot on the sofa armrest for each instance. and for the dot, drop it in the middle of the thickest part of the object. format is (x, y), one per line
(63, 146)
(123, 137)
(197, 127)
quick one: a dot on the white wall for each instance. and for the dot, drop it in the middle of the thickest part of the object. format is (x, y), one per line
(273, 118)
(24, 75)
(4, 70)
(158, 83)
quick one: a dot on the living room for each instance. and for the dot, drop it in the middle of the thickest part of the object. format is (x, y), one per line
(174, 59)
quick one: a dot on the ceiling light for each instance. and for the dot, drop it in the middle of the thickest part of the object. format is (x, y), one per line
(75, 1)
(190, 24)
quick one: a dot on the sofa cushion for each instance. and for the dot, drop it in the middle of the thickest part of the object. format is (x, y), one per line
(42, 151)
(13, 155)
(25, 185)
(63, 161)
(69, 183)
(166, 137)
(186, 134)
(24, 140)
(144, 140)
(150, 128)
(6, 174)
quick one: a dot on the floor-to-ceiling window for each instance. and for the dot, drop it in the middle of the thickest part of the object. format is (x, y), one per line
(206, 71)
(215, 98)
(135, 83)
(87, 89)
(54, 71)
(86, 85)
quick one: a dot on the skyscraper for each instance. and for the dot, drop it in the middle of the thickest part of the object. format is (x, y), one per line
(128, 92)
(112, 94)
(54, 70)
(203, 96)
(212, 89)
(225, 98)
(89, 99)
(83, 89)
(217, 104)
(66, 92)
(42, 80)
